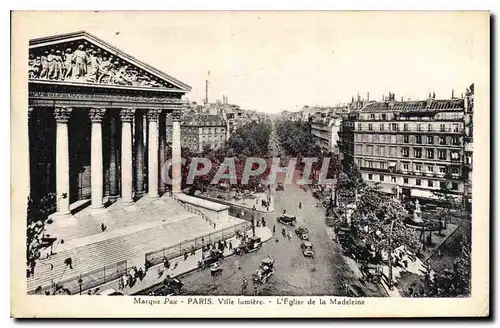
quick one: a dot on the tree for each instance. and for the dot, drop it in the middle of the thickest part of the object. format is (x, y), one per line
(38, 212)
(378, 219)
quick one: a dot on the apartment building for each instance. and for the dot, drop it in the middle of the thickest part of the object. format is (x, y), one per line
(201, 130)
(325, 132)
(412, 147)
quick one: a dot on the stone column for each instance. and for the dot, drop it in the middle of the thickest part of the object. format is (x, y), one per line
(96, 172)
(153, 116)
(139, 154)
(163, 148)
(62, 116)
(127, 116)
(176, 151)
(113, 158)
(30, 135)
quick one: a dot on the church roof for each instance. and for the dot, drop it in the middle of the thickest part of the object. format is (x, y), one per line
(121, 69)
(418, 105)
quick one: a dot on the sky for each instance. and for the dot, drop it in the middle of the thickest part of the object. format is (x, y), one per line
(274, 61)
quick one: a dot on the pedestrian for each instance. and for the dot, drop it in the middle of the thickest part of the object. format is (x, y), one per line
(274, 229)
(125, 281)
(230, 245)
(166, 263)
(120, 284)
(300, 204)
(202, 241)
(141, 274)
(103, 227)
(193, 251)
(268, 207)
(284, 211)
(263, 222)
(69, 262)
(185, 255)
(175, 265)
(160, 272)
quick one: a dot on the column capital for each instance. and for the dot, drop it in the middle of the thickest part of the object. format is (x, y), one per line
(30, 111)
(96, 114)
(176, 114)
(154, 115)
(62, 114)
(127, 114)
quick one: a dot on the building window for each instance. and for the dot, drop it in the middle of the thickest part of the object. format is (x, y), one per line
(430, 140)
(442, 127)
(405, 127)
(375, 138)
(405, 166)
(455, 127)
(370, 164)
(429, 127)
(418, 152)
(418, 167)
(418, 139)
(369, 149)
(405, 180)
(372, 116)
(454, 155)
(454, 170)
(454, 186)
(359, 126)
(405, 152)
(370, 176)
(393, 179)
(381, 127)
(381, 177)
(429, 183)
(442, 154)
(370, 126)
(430, 168)
(442, 184)
(382, 165)
(442, 169)
(406, 138)
(430, 153)
(419, 127)
(384, 116)
(394, 126)
(442, 140)
(455, 141)
(418, 182)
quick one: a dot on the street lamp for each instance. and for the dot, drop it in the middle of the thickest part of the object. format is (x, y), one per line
(80, 281)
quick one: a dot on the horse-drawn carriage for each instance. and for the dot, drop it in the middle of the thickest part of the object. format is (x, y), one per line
(215, 269)
(371, 272)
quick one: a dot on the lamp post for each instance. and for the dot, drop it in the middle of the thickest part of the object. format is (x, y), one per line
(253, 221)
(80, 281)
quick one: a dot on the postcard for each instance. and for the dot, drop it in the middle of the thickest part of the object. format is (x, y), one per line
(232, 164)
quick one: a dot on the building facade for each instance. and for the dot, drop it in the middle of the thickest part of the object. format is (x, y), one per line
(411, 147)
(96, 122)
(325, 133)
(200, 131)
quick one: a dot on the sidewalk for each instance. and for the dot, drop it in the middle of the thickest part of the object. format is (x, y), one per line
(153, 275)
(248, 203)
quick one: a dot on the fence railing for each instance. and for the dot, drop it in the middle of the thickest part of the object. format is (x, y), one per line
(192, 209)
(88, 280)
(171, 252)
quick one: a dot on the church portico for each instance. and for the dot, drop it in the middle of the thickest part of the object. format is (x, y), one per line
(94, 122)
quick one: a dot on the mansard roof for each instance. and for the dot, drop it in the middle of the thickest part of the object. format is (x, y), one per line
(81, 58)
(418, 105)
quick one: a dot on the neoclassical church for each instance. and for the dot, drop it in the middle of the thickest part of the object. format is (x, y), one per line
(97, 139)
(97, 121)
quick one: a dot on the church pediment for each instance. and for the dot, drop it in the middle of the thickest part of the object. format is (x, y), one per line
(81, 58)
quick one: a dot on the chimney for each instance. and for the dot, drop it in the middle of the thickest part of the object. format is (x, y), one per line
(367, 96)
(401, 99)
(452, 93)
(359, 97)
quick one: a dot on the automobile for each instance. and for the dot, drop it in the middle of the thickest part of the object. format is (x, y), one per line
(252, 244)
(287, 219)
(168, 287)
(280, 187)
(265, 270)
(302, 233)
(110, 292)
(215, 269)
(214, 256)
(307, 249)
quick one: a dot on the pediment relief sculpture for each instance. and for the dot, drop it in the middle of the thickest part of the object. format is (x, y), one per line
(81, 61)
